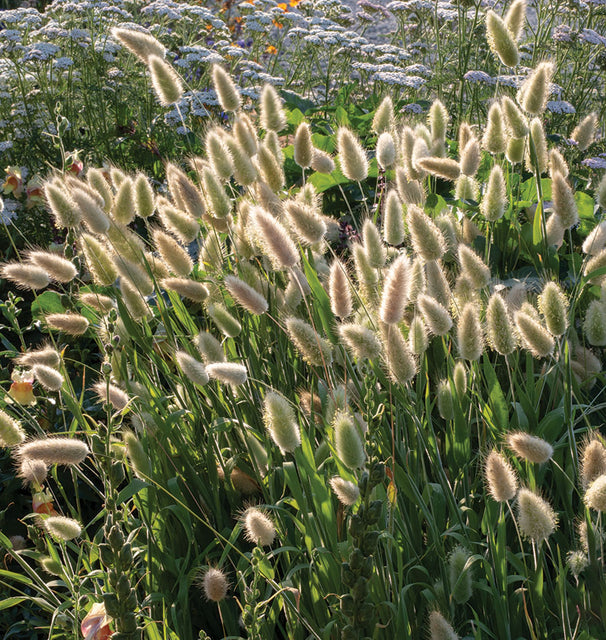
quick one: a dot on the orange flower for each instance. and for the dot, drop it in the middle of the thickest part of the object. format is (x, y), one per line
(283, 6)
(22, 389)
(294, 3)
(13, 183)
(271, 49)
(42, 502)
(35, 195)
(96, 624)
(277, 24)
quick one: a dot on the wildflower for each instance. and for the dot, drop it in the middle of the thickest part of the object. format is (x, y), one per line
(11, 432)
(347, 492)
(165, 81)
(214, 584)
(228, 94)
(22, 389)
(501, 40)
(25, 276)
(339, 290)
(280, 422)
(42, 503)
(439, 628)
(595, 496)
(258, 527)
(529, 447)
(352, 157)
(61, 528)
(348, 443)
(95, 625)
(227, 372)
(536, 519)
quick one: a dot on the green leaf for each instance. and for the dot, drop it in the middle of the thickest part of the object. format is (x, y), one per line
(47, 303)
(132, 488)
(11, 602)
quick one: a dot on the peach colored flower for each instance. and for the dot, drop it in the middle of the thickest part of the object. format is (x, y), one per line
(13, 183)
(42, 502)
(22, 389)
(95, 625)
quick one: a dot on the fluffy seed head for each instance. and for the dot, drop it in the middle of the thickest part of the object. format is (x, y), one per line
(227, 372)
(111, 394)
(386, 150)
(216, 198)
(557, 164)
(436, 317)
(45, 355)
(361, 341)
(554, 307)
(427, 239)
(400, 361)
(601, 193)
(339, 290)
(439, 628)
(473, 267)
(165, 81)
(209, 347)
(192, 368)
(71, 323)
(223, 319)
(500, 477)
(534, 336)
(280, 422)
(315, 350)
(270, 170)
(140, 43)
(417, 336)
(470, 337)
(58, 268)
(436, 284)
(515, 150)
(393, 219)
(529, 447)
(33, 472)
(98, 260)
(97, 181)
(459, 574)
(135, 274)
(273, 238)
(384, 116)
(536, 155)
(90, 211)
(596, 240)
(214, 585)
(459, 378)
(564, 205)
(352, 157)
(226, 90)
(536, 519)
(64, 210)
(218, 154)
(305, 222)
(584, 132)
(534, 92)
(11, 432)
(179, 223)
(58, 450)
(303, 146)
(395, 291)
(373, 245)
(470, 158)
(416, 280)
(138, 458)
(516, 123)
(515, 18)
(25, 276)
(348, 443)
(445, 400)
(347, 492)
(246, 134)
(445, 168)
(272, 115)
(494, 202)
(258, 527)
(48, 377)
(593, 461)
(494, 135)
(322, 162)
(595, 496)
(499, 329)
(595, 324)
(501, 40)
(438, 120)
(245, 295)
(143, 196)
(185, 193)
(173, 254)
(190, 289)
(62, 529)
(123, 209)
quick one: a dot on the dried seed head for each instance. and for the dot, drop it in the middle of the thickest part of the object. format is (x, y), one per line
(373, 245)
(223, 319)
(595, 496)
(600, 193)
(470, 158)
(90, 211)
(467, 188)
(436, 317)
(71, 323)
(258, 527)
(592, 460)
(270, 170)
(25, 276)
(534, 336)
(272, 115)
(123, 209)
(138, 458)
(384, 116)
(494, 202)
(554, 307)
(438, 120)
(529, 447)
(427, 239)
(46, 355)
(536, 156)
(98, 259)
(48, 377)
(111, 394)
(217, 200)
(534, 92)
(352, 157)
(470, 337)
(64, 210)
(209, 347)
(11, 432)
(416, 284)
(445, 400)
(460, 575)
(214, 584)
(386, 150)
(125, 242)
(593, 264)
(303, 146)
(315, 350)
(445, 168)
(459, 378)
(56, 450)
(33, 472)
(564, 205)
(515, 122)
(400, 362)
(577, 561)
(173, 254)
(554, 231)
(515, 150)
(281, 422)
(536, 519)
(245, 295)
(135, 273)
(557, 164)
(436, 283)
(226, 90)
(246, 134)
(190, 289)
(348, 444)
(501, 40)
(499, 329)
(140, 43)
(185, 193)
(515, 18)
(417, 336)
(218, 154)
(244, 170)
(360, 341)
(322, 162)
(193, 369)
(347, 492)
(227, 372)
(366, 274)
(473, 267)
(585, 365)
(395, 291)
(339, 290)
(62, 529)
(494, 135)
(596, 240)
(500, 477)
(273, 238)
(439, 628)
(584, 132)
(308, 226)
(165, 81)
(393, 219)
(99, 183)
